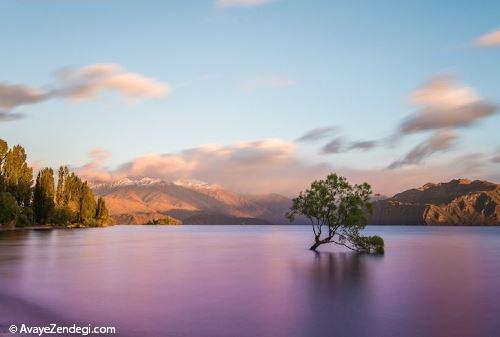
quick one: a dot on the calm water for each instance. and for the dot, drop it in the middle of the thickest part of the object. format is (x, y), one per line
(253, 281)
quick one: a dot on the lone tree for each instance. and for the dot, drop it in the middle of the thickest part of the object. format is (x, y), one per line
(338, 212)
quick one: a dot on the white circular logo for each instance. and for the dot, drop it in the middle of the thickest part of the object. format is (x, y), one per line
(13, 328)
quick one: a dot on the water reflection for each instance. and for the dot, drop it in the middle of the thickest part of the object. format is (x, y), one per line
(337, 290)
(253, 281)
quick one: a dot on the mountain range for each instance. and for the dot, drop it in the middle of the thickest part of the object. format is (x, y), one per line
(139, 201)
(142, 200)
(457, 202)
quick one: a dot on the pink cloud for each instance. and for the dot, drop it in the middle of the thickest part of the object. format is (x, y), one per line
(491, 39)
(267, 166)
(81, 84)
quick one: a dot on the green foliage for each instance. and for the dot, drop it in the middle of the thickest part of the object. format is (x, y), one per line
(3, 151)
(337, 212)
(370, 244)
(28, 212)
(22, 220)
(63, 216)
(72, 201)
(164, 221)
(9, 209)
(102, 214)
(87, 205)
(17, 175)
(74, 194)
(43, 197)
(62, 177)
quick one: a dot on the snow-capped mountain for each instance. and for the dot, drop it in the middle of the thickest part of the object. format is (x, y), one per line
(138, 200)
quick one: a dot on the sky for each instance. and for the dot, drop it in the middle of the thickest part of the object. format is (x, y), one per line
(258, 96)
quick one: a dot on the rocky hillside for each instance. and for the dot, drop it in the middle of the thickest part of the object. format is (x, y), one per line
(191, 202)
(458, 202)
(140, 201)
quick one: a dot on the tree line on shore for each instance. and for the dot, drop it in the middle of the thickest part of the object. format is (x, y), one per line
(24, 202)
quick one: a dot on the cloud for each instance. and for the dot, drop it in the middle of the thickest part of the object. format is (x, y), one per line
(496, 157)
(269, 81)
(272, 166)
(439, 142)
(363, 145)
(471, 161)
(268, 165)
(7, 117)
(89, 81)
(491, 39)
(12, 95)
(317, 134)
(445, 104)
(81, 84)
(240, 3)
(94, 170)
(333, 146)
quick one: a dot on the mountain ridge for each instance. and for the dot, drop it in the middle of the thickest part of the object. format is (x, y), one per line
(457, 202)
(142, 200)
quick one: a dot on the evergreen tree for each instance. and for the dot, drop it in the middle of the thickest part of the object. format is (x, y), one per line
(87, 205)
(101, 214)
(17, 175)
(3, 151)
(9, 209)
(43, 199)
(61, 180)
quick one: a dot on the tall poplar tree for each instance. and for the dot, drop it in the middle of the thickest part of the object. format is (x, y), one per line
(101, 213)
(3, 151)
(43, 198)
(62, 177)
(17, 175)
(87, 204)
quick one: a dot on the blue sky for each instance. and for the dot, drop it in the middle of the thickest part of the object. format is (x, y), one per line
(250, 71)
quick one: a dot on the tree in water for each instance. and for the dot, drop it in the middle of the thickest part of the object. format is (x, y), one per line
(43, 197)
(17, 175)
(338, 212)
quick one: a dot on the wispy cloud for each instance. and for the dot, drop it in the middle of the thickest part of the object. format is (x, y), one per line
(496, 157)
(317, 134)
(89, 81)
(13, 95)
(273, 165)
(240, 3)
(439, 142)
(491, 39)
(261, 166)
(7, 117)
(333, 146)
(94, 169)
(363, 145)
(82, 84)
(446, 104)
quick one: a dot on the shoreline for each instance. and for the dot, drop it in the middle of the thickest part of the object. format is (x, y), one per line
(48, 227)
(42, 228)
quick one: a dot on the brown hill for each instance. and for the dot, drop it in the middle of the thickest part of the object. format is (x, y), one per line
(140, 201)
(458, 202)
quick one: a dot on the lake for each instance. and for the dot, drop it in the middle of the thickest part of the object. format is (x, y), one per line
(253, 281)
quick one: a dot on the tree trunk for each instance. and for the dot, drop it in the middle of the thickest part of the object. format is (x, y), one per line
(315, 246)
